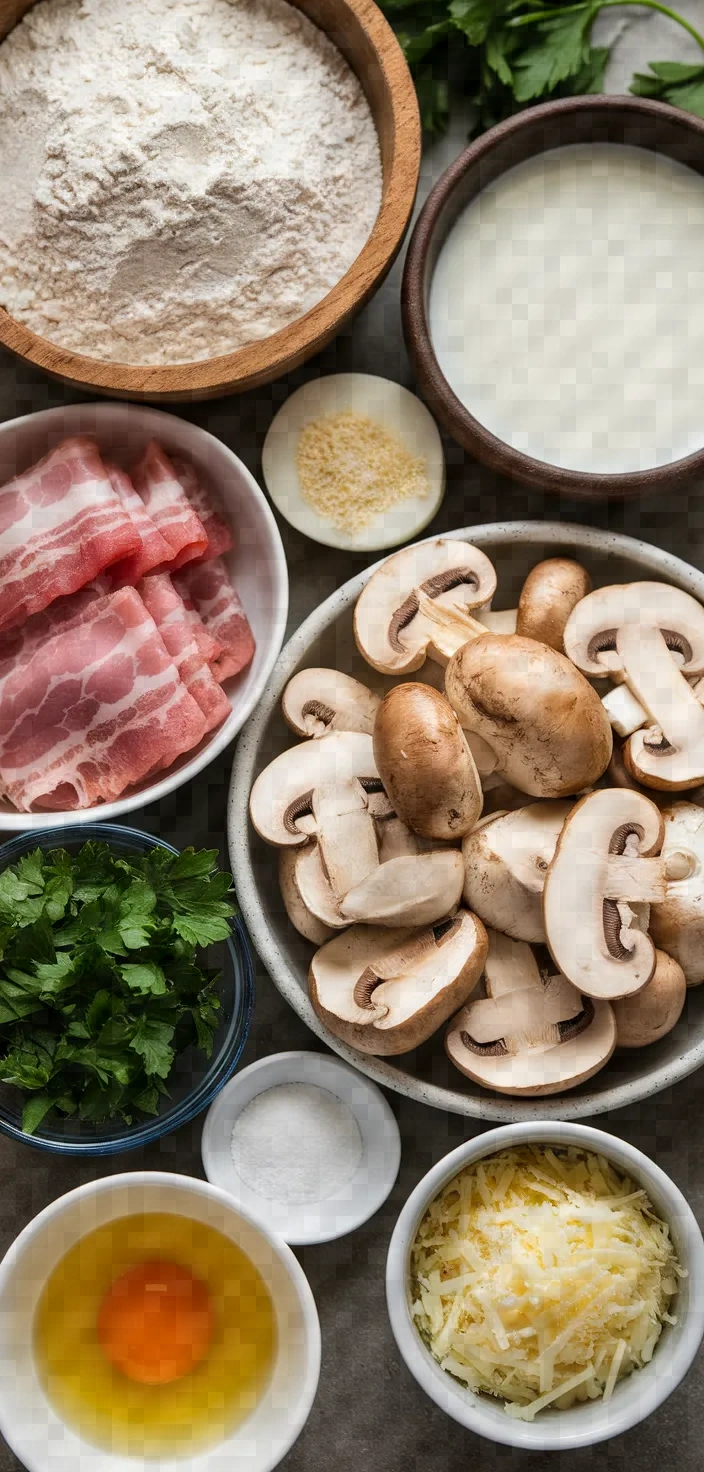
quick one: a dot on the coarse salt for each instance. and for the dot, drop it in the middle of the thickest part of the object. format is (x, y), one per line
(296, 1143)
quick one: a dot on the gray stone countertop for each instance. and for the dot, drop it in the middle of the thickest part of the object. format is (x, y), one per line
(369, 1413)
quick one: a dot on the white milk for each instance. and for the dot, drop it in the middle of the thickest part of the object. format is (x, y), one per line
(567, 308)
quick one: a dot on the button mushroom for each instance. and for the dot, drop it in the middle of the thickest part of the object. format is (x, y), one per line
(386, 991)
(650, 1014)
(419, 603)
(651, 637)
(548, 596)
(533, 1033)
(317, 701)
(506, 861)
(603, 864)
(677, 922)
(280, 803)
(425, 763)
(302, 918)
(543, 720)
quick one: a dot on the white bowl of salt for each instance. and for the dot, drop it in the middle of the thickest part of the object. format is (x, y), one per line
(303, 1142)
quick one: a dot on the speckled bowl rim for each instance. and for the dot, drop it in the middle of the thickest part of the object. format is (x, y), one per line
(653, 561)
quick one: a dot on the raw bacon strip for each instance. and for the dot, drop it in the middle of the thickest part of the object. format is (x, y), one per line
(18, 645)
(220, 537)
(61, 523)
(154, 548)
(209, 588)
(177, 630)
(95, 709)
(155, 480)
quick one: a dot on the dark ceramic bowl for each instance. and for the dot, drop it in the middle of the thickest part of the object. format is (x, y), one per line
(621, 120)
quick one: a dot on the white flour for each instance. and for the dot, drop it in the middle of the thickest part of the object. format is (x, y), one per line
(180, 177)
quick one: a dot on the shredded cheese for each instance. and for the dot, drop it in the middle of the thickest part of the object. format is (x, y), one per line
(351, 469)
(542, 1277)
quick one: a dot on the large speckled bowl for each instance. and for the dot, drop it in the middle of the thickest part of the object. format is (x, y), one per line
(326, 638)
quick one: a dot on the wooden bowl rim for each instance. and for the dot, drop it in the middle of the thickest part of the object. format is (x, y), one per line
(246, 366)
(462, 425)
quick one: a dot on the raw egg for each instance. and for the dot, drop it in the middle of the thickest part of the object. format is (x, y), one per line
(156, 1322)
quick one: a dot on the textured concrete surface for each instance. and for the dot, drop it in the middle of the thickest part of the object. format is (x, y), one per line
(369, 1413)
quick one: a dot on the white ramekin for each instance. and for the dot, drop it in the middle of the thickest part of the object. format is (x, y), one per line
(29, 1423)
(634, 1397)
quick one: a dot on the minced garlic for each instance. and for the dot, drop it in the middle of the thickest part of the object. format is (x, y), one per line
(351, 469)
(542, 1276)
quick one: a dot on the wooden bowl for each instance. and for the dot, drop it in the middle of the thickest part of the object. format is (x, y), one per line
(624, 120)
(359, 30)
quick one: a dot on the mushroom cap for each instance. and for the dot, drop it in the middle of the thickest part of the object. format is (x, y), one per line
(677, 924)
(425, 763)
(543, 719)
(650, 1014)
(602, 865)
(530, 1033)
(413, 890)
(303, 920)
(391, 632)
(506, 861)
(590, 634)
(276, 803)
(317, 701)
(548, 596)
(386, 991)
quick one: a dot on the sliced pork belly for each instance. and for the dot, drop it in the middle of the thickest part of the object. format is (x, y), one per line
(18, 645)
(177, 628)
(97, 706)
(61, 524)
(204, 504)
(208, 587)
(154, 549)
(167, 504)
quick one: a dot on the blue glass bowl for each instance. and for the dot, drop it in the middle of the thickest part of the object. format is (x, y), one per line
(195, 1079)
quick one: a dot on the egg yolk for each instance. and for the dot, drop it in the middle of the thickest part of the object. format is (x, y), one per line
(155, 1322)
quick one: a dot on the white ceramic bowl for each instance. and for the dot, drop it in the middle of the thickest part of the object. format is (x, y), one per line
(27, 1420)
(257, 564)
(358, 1198)
(326, 638)
(634, 1397)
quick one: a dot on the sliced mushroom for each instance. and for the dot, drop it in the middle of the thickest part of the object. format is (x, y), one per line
(398, 841)
(419, 602)
(506, 861)
(604, 862)
(303, 920)
(650, 1014)
(651, 636)
(386, 991)
(315, 890)
(541, 717)
(677, 922)
(281, 799)
(549, 594)
(415, 890)
(425, 763)
(317, 701)
(533, 1033)
(498, 620)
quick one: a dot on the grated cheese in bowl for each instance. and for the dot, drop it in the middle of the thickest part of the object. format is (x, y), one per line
(542, 1277)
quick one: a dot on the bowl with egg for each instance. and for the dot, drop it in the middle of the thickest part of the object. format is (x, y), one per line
(550, 301)
(545, 1285)
(255, 200)
(145, 1316)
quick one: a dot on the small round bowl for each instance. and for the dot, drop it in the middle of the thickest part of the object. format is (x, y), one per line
(359, 1198)
(257, 564)
(30, 1424)
(637, 1395)
(367, 42)
(326, 638)
(622, 120)
(195, 1079)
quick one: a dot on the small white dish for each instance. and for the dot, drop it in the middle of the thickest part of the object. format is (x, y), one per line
(28, 1421)
(396, 410)
(257, 564)
(634, 1397)
(312, 1221)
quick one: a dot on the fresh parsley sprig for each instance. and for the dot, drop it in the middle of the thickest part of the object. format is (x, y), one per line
(101, 985)
(506, 54)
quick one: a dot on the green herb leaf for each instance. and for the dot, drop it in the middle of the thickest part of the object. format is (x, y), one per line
(151, 1040)
(34, 1111)
(673, 82)
(146, 978)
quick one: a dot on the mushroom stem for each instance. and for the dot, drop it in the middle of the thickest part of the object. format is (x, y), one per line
(346, 834)
(450, 627)
(675, 757)
(625, 713)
